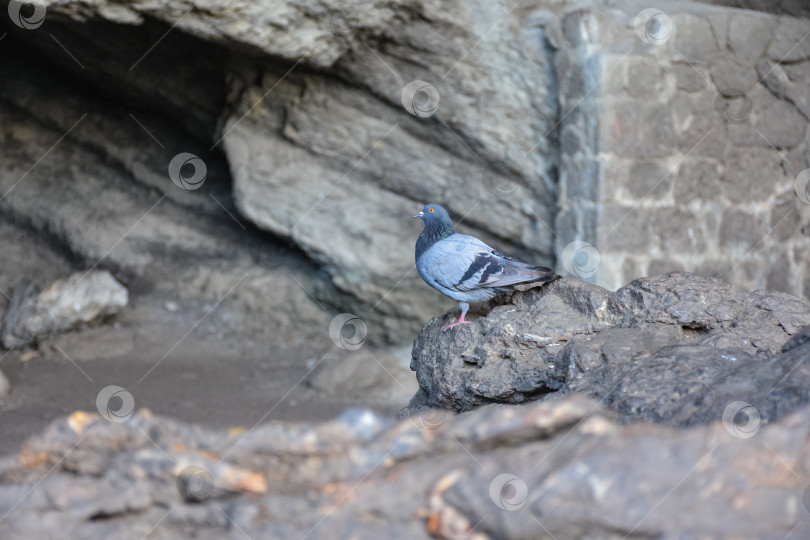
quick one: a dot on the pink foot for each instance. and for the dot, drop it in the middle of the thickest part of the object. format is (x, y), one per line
(460, 321)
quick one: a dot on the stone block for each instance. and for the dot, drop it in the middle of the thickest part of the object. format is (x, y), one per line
(649, 179)
(580, 178)
(619, 130)
(739, 230)
(749, 35)
(785, 218)
(698, 179)
(780, 275)
(613, 175)
(728, 74)
(781, 124)
(699, 127)
(751, 174)
(679, 232)
(624, 229)
(646, 79)
(789, 42)
(689, 77)
(694, 38)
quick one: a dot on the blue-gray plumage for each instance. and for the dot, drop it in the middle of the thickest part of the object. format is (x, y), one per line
(465, 268)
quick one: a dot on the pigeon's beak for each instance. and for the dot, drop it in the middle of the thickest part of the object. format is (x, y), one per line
(419, 215)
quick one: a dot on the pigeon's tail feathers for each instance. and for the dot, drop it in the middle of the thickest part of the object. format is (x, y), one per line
(518, 272)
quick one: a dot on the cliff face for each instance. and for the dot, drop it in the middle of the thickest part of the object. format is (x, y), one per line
(305, 124)
(303, 135)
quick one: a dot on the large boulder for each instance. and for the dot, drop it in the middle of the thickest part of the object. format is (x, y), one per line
(675, 348)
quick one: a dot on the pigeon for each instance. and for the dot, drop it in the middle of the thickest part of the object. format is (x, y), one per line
(465, 268)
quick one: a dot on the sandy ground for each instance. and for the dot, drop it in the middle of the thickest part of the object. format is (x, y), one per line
(212, 380)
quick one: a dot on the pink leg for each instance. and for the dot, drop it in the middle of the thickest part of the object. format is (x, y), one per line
(460, 321)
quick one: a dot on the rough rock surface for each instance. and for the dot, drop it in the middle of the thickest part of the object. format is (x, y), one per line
(297, 111)
(562, 468)
(675, 348)
(64, 305)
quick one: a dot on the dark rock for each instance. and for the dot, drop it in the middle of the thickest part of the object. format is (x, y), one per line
(675, 348)
(797, 340)
(498, 358)
(681, 385)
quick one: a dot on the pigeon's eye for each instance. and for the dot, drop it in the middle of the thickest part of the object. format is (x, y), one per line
(431, 210)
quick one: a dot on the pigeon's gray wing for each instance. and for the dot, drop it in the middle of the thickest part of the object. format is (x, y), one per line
(464, 263)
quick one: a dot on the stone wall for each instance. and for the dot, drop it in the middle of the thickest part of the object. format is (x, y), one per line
(684, 135)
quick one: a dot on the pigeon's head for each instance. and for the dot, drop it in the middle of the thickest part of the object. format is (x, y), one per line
(433, 213)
